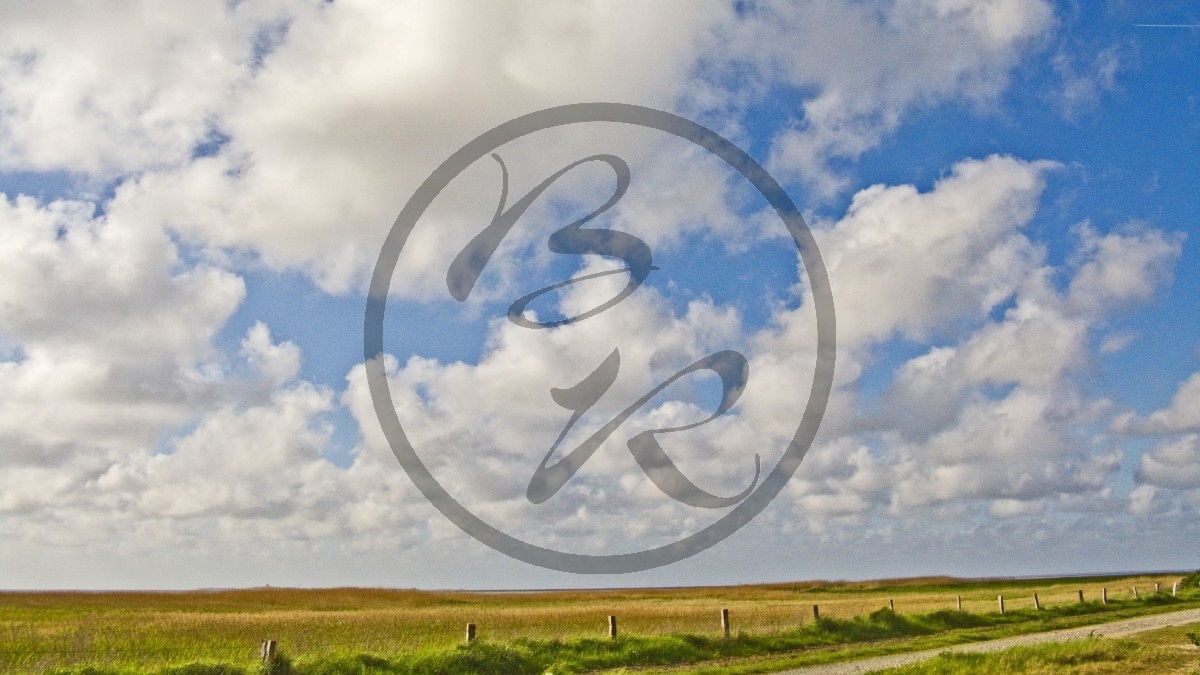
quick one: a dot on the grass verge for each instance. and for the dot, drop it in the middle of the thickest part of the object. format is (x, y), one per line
(1152, 653)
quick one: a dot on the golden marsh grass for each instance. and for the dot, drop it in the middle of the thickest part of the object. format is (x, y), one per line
(39, 630)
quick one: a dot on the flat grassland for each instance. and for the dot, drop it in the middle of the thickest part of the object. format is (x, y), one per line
(150, 631)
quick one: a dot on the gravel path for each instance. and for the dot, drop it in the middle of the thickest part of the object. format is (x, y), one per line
(1114, 629)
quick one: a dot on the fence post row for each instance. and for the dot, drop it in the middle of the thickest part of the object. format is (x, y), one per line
(269, 646)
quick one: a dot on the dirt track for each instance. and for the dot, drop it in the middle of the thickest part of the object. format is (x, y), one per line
(1114, 629)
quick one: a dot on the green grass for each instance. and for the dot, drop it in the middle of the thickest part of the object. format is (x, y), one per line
(591, 654)
(1153, 653)
(771, 663)
(1190, 581)
(1083, 656)
(363, 631)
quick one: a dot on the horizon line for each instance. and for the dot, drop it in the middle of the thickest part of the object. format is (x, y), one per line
(529, 590)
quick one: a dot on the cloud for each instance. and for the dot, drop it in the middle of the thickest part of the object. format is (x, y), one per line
(278, 362)
(1141, 500)
(1021, 447)
(122, 421)
(347, 115)
(1122, 267)
(918, 266)
(248, 137)
(1035, 346)
(1082, 86)
(1001, 415)
(245, 470)
(315, 126)
(264, 451)
(1044, 336)
(114, 332)
(913, 263)
(79, 96)
(839, 480)
(991, 416)
(1012, 508)
(1117, 342)
(481, 429)
(861, 68)
(1183, 414)
(1172, 464)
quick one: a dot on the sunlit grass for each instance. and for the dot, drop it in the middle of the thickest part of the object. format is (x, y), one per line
(1153, 653)
(148, 631)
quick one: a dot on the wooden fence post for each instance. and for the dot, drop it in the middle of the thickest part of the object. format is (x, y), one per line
(1104, 596)
(816, 613)
(470, 633)
(891, 604)
(1135, 594)
(959, 602)
(268, 651)
(1156, 587)
(612, 626)
(725, 623)
(1036, 603)
(1081, 595)
(1000, 599)
(1175, 590)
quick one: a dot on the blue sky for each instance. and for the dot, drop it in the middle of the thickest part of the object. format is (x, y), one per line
(1004, 194)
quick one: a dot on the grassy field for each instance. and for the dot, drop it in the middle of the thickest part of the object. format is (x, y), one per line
(1157, 652)
(147, 632)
